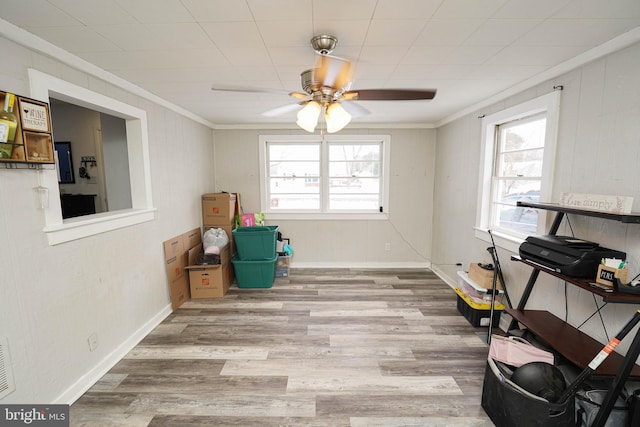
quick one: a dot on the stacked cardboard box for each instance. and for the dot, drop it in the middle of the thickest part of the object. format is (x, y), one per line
(219, 210)
(177, 254)
(211, 280)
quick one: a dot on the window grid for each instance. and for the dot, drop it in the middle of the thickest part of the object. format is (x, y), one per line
(517, 174)
(345, 177)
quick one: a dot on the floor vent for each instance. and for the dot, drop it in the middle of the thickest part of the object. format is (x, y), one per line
(6, 378)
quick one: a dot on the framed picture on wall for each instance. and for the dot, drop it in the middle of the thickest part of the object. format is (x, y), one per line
(34, 115)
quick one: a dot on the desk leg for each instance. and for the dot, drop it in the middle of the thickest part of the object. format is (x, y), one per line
(556, 223)
(525, 295)
(618, 382)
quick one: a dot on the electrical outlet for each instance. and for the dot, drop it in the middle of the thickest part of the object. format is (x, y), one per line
(387, 246)
(93, 341)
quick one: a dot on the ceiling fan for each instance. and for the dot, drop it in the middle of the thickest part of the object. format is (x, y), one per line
(327, 87)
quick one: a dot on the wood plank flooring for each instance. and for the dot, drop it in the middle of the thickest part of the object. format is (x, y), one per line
(323, 347)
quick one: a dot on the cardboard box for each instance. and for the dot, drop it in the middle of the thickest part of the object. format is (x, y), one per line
(211, 281)
(192, 238)
(179, 290)
(218, 208)
(482, 277)
(174, 258)
(175, 266)
(173, 247)
(192, 254)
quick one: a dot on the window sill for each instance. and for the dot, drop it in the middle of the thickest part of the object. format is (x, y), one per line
(90, 225)
(502, 240)
(317, 216)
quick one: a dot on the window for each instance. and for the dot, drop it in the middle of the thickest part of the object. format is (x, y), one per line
(518, 150)
(102, 166)
(331, 176)
(138, 206)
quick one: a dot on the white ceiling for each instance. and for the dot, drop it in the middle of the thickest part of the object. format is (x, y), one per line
(468, 50)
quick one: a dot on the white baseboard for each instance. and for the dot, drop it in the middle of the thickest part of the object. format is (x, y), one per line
(360, 265)
(85, 382)
(448, 280)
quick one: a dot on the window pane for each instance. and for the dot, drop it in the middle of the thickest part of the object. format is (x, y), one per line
(354, 185)
(294, 176)
(523, 134)
(294, 185)
(352, 169)
(308, 151)
(519, 219)
(527, 163)
(354, 202)
(354, 160)
(295, 201)
(509, 191)
(506, 214)
(294, 169)
(354, 176)
(354, 152)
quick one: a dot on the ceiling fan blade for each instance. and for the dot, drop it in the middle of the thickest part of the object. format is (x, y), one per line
(389, 94)
(333, 72)
(278, 111)
(354, 108)
(299, 95)
(247, 90)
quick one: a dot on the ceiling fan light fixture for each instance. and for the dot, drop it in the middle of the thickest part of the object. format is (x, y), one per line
(308, 116)
(336, 117)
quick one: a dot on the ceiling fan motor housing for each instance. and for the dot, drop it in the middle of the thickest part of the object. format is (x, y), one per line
(308, 81)
(324, 44)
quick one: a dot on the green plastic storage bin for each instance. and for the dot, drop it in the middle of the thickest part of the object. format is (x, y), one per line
(255, 274)
(255, 243)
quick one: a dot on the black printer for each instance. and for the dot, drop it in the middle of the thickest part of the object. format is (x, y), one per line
(567, 255)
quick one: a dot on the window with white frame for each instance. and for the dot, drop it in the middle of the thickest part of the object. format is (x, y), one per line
(518, 149)
(140, 209)
(326, 175)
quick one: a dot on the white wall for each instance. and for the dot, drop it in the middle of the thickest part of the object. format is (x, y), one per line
(598, 152)
(116, 162)
(350, 243)
(112, 284)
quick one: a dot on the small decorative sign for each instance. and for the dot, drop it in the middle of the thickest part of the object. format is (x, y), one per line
(35, 116)
(598, 202)
(606, 275)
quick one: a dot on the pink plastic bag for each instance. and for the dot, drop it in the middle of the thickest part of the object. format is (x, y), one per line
(516, 351)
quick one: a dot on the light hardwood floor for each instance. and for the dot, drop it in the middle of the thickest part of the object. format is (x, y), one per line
(326, 347)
